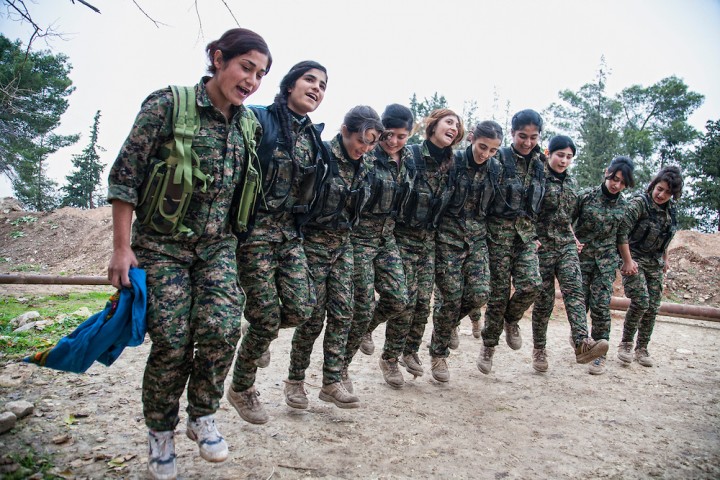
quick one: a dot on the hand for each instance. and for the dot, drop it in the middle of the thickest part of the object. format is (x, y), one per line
(666, 267)
(629, 269)
(119, 267)
(579, 245)
(538, 244)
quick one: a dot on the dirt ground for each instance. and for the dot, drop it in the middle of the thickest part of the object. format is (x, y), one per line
(633, 422)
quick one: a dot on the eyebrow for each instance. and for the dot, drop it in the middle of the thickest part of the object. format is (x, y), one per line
(253, 64)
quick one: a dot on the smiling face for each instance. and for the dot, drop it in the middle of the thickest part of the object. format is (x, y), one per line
(356, 144)
(483, 148)
(446, 131)
(561, 159)
(525, 139)
(308, 92)
(236, 79)
(394, 139)
(615, 183)
(662, 193)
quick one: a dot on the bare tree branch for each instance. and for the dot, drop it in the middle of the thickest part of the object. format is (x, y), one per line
(201, 34)
(157, 23)
(230, 11)
(95, 9)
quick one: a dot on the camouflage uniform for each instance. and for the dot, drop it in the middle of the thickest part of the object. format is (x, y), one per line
(272, 265)
(597, 218)
(330, 260)
(461, 262)
(194, 302)
(417, 249)
(378, 265)
(558, 257)
(512, 253)
(648, 228)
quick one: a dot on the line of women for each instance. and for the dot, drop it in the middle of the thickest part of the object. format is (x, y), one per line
(335, 222)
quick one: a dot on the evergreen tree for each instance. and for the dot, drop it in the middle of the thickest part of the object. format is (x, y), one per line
(702, 179)
(420, 110)
(81, 189)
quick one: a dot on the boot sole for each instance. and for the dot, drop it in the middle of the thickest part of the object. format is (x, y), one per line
(254, 421)
(327, 398)
(299, 406)
(217, 458)
(598, 350)
(540, 369)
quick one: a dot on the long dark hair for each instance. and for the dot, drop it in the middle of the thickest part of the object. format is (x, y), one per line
(673, 176)
(236, 42)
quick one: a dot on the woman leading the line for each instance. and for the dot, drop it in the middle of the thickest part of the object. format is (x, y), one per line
(194, 303)
(272, 266)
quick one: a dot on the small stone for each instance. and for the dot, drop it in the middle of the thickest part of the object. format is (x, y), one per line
(20, 408)
(25, 327)
(60, 439)
(7, 421)
(21, 320)
(683, 351)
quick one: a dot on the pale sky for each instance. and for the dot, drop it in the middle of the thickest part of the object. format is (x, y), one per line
(379, 52)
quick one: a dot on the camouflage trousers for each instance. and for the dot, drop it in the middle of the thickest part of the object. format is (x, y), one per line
(280, 294)
(561, 263)
(644, 290)
(598, 275)
(331, 266)
(193, 320)
(462, 284)
(516, 263)
(378, 266)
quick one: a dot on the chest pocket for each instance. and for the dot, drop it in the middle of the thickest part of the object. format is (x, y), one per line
(460, 194)
(384, 193)
(417, 209)
(277, 181)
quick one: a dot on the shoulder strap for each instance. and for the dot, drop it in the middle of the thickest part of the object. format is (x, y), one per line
(186, 123)
(269, 137)
(419, 161)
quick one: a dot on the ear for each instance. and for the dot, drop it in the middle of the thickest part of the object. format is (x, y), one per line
(470, 137)
(344, 131)
(218, 59)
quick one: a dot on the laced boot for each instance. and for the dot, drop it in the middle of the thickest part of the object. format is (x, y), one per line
(643, 357)
(539, 363)
(337, 394)
(161, 455)
(412, 364)
(204, 431)
(484, 361)
(455, 338)
(346, 381)
(475, 328)
(589, 350)
(597, 367)
(391, 373)
(512, 335)
(366, 344)
(295, 394)
(248, 406)
(624, 353)
(439, 369)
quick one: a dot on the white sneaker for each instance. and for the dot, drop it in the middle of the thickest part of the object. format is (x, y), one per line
(212, 445)
(161, 455)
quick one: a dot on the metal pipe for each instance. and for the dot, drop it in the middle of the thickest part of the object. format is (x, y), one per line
(53, 280)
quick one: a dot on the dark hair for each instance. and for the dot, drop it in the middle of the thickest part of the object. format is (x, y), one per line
(623, 165)
(487, 129)
(235, 42)
(362, 118)
(398, 116)
(434, 118)
(526, 117)
(288, 82)
(673, 176)
(559, 142)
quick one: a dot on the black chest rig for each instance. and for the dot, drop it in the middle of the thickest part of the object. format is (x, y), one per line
(652, 233)
(385, 192)
(517, 196)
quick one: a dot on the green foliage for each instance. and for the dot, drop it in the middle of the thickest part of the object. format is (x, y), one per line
(23, 219)
(420, 110)
(32, 465)
(81, 189)
(21, 344)
(34, 87)
(702, 168)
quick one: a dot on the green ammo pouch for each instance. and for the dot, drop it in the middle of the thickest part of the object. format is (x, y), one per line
(167, 190)
(246, 198)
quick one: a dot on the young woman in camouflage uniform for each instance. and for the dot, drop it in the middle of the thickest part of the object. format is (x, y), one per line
(194, 303)
(416, 230)
(648, 227)
(558, 258)
(378, 265)
(461, 258)
(330, 259)
(272, 265)
(597, 218)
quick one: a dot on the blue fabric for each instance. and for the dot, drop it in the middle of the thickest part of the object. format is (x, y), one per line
(103, 336)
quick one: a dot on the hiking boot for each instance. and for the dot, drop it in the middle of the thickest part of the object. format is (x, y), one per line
(512, 335)
(643, 357)
(295, 394)
(366, 344)
(248, 406)
(455, 338)
(337, 394)
(345, 379)
(589, 350)
(597, 367)
(624, 352)
(264, 360)
(439, 369)
(539, 363)
(475, 328)
(484, 361)
(161, 455)
(204, 431)
(391, 373)
(412, 364)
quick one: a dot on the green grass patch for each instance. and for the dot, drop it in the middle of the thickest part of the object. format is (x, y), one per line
(14, 346)
(26, 267)
(31, 464)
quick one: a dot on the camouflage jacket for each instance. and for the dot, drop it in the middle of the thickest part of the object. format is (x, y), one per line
(476, 222)
(648, 227)
(220, 148)
(597, 219)
(554, 222)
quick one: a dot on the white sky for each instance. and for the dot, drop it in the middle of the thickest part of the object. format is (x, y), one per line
(379, 52)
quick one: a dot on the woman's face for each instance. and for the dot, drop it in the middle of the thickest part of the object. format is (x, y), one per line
(445, 131)
(239, 77)
(308, 92)
(483, 148)
(615, 183)
(394, 139)
(356, 144)
(661, 194)
(525, 139)
(560, 160)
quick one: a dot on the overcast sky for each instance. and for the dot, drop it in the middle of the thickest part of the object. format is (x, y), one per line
(379, 52)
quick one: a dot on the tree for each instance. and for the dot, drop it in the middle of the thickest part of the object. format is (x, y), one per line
(82, 184)
(422, 109)
(34, 87)
(702, 173)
